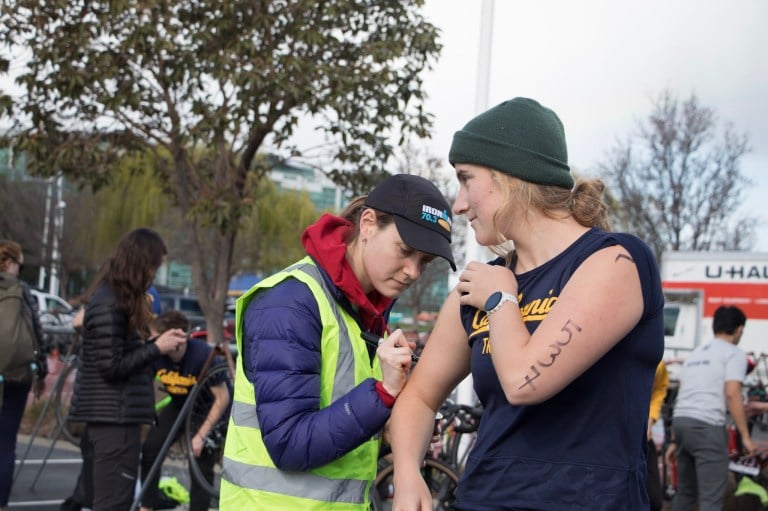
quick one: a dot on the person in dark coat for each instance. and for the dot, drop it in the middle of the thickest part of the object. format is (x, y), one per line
(114, 394)
(16, 382)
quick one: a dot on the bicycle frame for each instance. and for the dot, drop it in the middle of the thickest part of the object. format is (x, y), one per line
(185, 410)
(52, 396)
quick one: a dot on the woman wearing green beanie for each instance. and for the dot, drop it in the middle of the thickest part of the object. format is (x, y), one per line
(562, 335)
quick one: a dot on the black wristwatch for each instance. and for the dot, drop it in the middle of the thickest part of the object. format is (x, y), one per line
(497, 299)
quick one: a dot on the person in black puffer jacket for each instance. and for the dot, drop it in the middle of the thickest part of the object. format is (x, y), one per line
(113, 391)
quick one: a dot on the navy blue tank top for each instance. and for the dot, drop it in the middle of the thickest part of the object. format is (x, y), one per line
(584, 448)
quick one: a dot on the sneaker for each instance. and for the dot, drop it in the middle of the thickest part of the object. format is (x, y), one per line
(172, 488)
(165, 502)
(71, 504)
(749, 487)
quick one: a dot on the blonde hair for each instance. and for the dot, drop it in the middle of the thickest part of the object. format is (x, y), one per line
(584, 203)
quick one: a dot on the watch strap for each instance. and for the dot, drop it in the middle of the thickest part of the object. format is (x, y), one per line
(505, 297)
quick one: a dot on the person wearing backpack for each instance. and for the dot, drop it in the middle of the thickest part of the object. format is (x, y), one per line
(22, 357)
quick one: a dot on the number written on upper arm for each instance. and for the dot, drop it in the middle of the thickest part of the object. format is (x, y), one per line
(566, 336)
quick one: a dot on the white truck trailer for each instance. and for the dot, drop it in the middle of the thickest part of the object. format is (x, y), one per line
(697, 283)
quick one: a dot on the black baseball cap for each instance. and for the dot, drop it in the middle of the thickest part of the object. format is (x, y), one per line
(422, 215)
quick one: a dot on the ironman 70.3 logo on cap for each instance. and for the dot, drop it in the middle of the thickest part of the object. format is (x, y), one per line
(436, 216)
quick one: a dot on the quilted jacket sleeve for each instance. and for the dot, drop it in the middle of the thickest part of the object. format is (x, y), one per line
(118, 353)
(282, 359)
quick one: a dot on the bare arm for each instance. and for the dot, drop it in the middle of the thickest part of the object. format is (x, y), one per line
(443, 364)
(589, 317)
(220, 401)
(735, 403)
(756, 408)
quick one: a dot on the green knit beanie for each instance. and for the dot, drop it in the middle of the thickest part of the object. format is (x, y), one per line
(519, 137)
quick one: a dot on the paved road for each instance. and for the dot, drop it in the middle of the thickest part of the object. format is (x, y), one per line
(44, 477)
(46, 471)
(47, 476)
(42, 485)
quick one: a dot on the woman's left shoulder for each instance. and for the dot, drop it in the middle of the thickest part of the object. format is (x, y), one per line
(636, 248)
(617, 245)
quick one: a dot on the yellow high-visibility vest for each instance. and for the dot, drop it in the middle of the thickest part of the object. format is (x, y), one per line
(250, 480)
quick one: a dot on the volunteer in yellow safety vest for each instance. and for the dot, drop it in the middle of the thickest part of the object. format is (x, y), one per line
(311, 397)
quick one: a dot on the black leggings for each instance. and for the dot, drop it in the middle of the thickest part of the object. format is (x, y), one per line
(14, 400)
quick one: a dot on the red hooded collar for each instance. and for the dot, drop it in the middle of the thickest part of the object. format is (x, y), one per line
(325, 242)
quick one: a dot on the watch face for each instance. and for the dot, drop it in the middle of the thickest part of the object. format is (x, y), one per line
(492, 301)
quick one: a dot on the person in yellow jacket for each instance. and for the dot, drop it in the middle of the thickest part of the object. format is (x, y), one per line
(658, 395)
(311, 393)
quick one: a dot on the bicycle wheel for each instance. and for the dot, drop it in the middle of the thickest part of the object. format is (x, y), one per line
(209, 477)
(440, 478)
(460, 447)
(70, 430)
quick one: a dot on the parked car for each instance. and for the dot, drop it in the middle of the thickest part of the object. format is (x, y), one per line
(48, 302)
(56, 316)
(53, 309)
(185, 303)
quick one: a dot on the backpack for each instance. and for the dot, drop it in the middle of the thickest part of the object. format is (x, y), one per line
(17, 338)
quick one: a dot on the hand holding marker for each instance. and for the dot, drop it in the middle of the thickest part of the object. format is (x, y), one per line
(374, 341)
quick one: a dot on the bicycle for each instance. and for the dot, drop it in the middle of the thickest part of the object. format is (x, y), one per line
(458, 433)
(201, 396)
(70, 430)
(440, 478)
(194, 411)
(56, 336)
(443, 462)
(668, 470)
(754, 468)
(176, 457)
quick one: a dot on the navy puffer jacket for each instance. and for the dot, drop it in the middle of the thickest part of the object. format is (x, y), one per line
(114, 378)
(282, 337)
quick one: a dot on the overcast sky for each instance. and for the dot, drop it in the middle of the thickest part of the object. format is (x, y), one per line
(598, 63)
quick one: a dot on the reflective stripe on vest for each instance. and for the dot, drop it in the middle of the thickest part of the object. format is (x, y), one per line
(298, 484)
(250, 479)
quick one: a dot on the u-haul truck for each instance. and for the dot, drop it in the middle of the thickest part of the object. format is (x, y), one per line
(697, 283)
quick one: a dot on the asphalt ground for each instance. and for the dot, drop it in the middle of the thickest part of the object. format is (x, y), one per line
(46, 473)
(46, 470)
